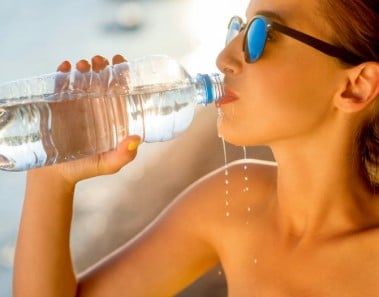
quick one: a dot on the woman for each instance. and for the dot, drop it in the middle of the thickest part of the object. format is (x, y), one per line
(306, 227)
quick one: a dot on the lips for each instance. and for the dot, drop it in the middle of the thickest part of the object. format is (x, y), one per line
(229, 96)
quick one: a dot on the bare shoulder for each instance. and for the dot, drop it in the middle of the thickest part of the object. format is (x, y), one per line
(249, 177)
(241, 186)
(243, 178)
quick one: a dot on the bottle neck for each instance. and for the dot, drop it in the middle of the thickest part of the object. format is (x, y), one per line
(209, 88)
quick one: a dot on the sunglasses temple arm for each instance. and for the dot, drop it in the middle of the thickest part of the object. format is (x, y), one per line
(318, 44)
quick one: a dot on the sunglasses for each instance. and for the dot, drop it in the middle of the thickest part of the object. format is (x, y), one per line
(257, 33)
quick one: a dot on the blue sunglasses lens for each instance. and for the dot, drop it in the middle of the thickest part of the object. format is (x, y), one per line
(256, 36)
(233, 30)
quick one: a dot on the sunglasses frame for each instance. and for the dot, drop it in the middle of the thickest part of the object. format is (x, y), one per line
(320, 45)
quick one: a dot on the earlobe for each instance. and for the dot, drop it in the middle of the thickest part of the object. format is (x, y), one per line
(361, 87)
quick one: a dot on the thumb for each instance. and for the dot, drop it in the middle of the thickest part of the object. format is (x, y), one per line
(113, 161)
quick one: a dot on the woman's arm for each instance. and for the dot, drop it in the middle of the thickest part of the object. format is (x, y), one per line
(43, 265)
(170, 254)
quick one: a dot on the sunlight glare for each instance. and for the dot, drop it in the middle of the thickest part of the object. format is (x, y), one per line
(207, 27)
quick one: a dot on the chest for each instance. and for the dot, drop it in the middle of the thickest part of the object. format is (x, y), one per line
(307, 281)
(263, 268)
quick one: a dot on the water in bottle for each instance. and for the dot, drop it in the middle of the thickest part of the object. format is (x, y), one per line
(66, 116)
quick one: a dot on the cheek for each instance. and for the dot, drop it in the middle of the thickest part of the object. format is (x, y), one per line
(282, 103)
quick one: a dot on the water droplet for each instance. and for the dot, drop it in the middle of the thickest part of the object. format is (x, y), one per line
(249, 209)
(226, 173)
(246, 189)
(225, 159)
(246, 178)
(255, 260)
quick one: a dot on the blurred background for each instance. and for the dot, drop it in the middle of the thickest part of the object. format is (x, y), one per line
(36, 35)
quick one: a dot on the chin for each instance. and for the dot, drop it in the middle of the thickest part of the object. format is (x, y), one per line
(239, 137)
(227, 130)
(232, 138)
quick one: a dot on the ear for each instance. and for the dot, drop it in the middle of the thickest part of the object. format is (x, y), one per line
(360, 89)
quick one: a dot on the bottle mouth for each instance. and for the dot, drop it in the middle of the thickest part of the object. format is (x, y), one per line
(213, 87)
(218, 86)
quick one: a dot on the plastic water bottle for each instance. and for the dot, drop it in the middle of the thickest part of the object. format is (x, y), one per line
(65, 116)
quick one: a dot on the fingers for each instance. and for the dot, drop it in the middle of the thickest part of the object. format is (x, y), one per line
(118, 59)
(99, 63)
(95, 80)
(84, 79)
(120, 73)
(83, 66)
(65, 66)
(82, 76)
(100, 75)
(62, 79)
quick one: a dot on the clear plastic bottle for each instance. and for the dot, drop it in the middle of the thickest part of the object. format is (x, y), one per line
(59, 117)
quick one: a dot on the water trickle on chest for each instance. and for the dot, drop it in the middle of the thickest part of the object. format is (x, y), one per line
(246, 178)
(227, 181)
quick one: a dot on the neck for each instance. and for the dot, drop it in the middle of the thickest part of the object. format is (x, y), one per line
(320, 190)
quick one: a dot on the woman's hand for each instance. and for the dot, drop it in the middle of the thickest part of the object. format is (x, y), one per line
(100, 164)
(76, 117)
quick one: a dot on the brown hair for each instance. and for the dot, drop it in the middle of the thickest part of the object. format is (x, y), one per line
(355, 24)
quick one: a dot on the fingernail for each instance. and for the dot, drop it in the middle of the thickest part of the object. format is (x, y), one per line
(133, 145)
(117, 59)
(83, 66)
(99, 63)
(65, 66)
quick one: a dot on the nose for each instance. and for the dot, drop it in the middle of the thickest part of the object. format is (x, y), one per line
(231, 59)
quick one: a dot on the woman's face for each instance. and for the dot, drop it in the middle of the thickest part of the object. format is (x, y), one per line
(287, 93)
